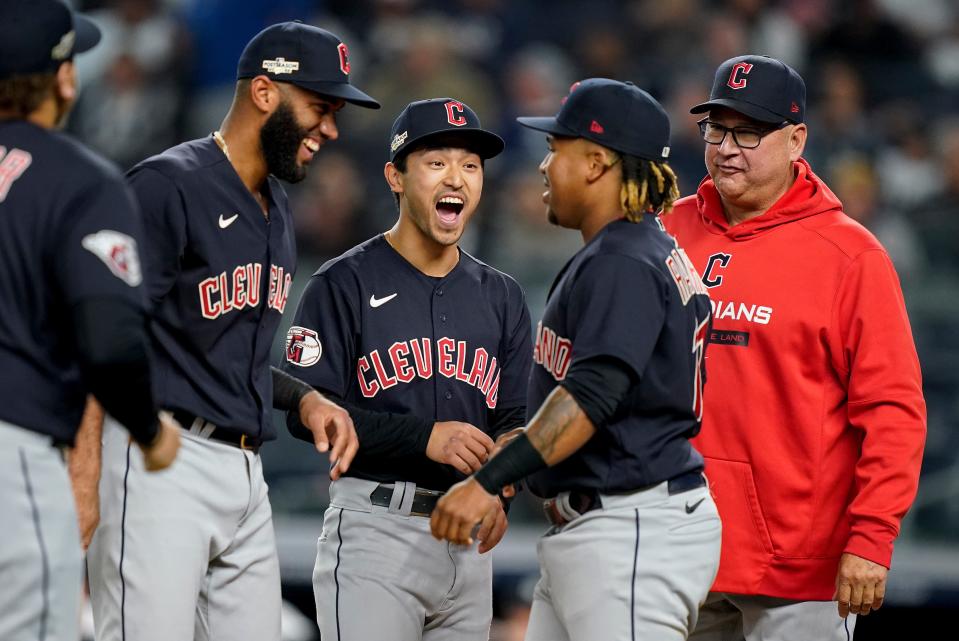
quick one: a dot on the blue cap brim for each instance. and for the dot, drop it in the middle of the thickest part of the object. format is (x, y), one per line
(549, 124)
(343, 90)
(485, 143)
(746, 108)
(87, 33)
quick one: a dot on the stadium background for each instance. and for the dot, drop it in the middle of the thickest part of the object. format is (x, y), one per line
(883, 83)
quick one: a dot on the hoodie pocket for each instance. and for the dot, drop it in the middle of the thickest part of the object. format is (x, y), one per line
(734, 490)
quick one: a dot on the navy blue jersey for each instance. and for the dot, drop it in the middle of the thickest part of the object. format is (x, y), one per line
(218, 275)
(377, 332)
(632, 294)
(68, 232)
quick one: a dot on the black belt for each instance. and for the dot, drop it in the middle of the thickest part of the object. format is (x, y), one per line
(586, 501)
(203, 428)
(424, 501)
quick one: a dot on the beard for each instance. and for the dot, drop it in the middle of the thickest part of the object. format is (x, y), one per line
(280, 140)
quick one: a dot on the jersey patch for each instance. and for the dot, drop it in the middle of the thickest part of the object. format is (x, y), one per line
(118, 252)
(303, 346)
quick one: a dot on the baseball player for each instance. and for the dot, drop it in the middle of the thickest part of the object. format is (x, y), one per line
(73, 313)
(815, 443)
(198, 559)
(618, 381)
(431, 350)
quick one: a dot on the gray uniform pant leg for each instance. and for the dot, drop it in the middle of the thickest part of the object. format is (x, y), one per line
(185, 553)
(41, 564)
(737, 617)
(636, 569)
(381, 575)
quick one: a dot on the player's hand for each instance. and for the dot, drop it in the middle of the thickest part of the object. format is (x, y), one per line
(460, 510)
(459, 444)
(860, 585)
(502, 441)
(161, 453)
(492, 528)
(333, 431)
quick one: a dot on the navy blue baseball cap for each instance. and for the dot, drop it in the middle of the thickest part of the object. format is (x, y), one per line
(37, 36)
(305, 56)
(760, 87)
(425, 118)
(614, 114)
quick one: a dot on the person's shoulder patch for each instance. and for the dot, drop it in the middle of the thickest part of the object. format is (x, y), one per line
(303, 347)
(118, 252)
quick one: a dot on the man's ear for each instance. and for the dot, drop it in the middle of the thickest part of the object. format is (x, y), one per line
(393, 178)
(66, 82)
(265, 95)
(598, 161)
(797, 141)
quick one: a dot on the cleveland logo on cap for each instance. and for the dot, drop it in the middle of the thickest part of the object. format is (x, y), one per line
(398, 140)
(281, 65)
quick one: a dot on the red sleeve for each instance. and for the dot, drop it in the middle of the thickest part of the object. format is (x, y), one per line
(873, 346)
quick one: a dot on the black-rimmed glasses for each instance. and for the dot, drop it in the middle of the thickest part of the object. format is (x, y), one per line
(745, 137)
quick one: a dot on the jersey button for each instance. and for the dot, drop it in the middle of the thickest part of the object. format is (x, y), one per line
(439, 292)
(443, 317)
(449, 395)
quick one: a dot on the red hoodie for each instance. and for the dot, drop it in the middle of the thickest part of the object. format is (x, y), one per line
(814, 422)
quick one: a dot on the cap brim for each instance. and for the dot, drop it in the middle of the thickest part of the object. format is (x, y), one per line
(485, 143)
(343, 90)
(87, 33)
(748, 109)
(549, 124)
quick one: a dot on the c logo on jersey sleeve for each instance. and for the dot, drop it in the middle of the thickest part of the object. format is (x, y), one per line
(118, 252)
(303, 347)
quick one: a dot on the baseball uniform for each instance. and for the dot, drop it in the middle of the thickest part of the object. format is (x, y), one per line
(635, 542)
(73, 308)
(377, 332)
(198, 559)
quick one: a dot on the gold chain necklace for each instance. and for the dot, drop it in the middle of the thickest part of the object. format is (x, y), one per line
(218, 139)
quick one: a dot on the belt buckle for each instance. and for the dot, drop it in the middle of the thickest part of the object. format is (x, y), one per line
(243, 445)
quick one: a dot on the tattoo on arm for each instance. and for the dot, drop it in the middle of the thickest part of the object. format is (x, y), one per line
(560, 427)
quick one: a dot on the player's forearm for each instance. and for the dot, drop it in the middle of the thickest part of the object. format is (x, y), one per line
(83, 461)
(559, 428)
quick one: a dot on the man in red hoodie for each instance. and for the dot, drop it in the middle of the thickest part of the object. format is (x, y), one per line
(814, 422)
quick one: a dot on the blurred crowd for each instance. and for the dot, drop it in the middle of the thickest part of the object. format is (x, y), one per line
(883, 105)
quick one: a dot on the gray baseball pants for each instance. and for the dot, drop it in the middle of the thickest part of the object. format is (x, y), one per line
(41, 564)
(185, 553)
(637, 569)
(380, 574)
(736, 617)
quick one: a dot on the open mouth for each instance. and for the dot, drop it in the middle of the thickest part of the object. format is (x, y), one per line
(310, 146)
(448, 209)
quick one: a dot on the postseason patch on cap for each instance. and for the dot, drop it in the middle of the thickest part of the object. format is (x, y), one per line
(398, 140)
(281, 65)
(64, 48)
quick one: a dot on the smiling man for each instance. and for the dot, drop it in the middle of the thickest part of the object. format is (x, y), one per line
(198, 560)
(814, 431)
(430, 350)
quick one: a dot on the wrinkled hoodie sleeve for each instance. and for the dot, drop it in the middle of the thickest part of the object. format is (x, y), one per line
(873, 348)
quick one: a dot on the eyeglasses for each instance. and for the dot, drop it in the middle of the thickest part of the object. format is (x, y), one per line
(745, 137)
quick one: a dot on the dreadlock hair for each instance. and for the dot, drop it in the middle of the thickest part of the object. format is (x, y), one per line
(20, 95)
(648, 186)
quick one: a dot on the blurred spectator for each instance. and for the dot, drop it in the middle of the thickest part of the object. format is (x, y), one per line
(908, 171)
(856, 185)
(937, 218)
(772, 31)
(838, 117)
(127, 114)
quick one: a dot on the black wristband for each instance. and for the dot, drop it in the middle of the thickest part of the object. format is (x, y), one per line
(288, 391)
(518, 460)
